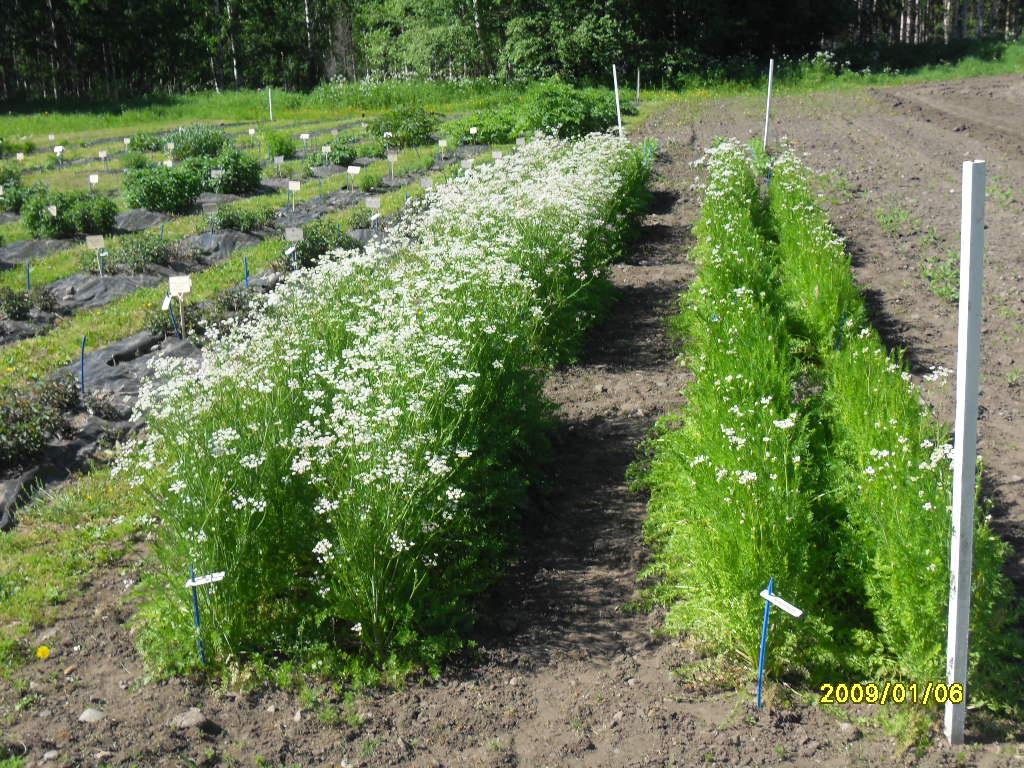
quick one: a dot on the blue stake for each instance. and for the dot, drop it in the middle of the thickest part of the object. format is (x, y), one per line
(82, 380)
(195, 617)
(245, 264)
(174, 321)
(764, 641)
(28, 275)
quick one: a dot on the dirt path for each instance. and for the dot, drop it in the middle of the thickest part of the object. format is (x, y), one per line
(565, 673)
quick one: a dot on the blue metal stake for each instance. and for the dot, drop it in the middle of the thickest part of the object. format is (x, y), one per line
(195, 617)
(28, 275)
(174, 322)
(764, 641)
(82, 368)
(245, 264)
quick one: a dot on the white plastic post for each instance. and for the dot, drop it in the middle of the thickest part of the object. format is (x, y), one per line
(618, 109)
(270, 104)
(638, 84)
(768, 105)
(968, 358)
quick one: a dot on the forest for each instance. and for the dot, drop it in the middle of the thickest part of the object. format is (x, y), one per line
(59, 50)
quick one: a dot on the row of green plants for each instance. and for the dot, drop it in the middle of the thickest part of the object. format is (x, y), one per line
(804, 453)
(355, 456)
(175, 189)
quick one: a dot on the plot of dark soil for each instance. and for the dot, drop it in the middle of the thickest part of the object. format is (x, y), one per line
(566, 673)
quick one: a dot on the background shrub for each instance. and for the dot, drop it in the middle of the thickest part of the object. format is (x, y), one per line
(144, 141)
(77, 213)
(280, 143)
(10, 147)
(15, 189)
(408, 126)
(30, 416)
(170, 190)
(134, 159)
(14, 305)
(199, 141)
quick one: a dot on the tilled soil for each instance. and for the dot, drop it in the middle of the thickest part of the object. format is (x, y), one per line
(568, 671)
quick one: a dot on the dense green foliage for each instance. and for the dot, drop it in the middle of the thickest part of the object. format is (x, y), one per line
(15, 190)
(147, 142)
(805, 454)
(30, 416)
(158, 188)
(280, 144)
(406, 126)
(241, 172)
(132, 253)
(245, 218)
(198, 141)
(76, 213)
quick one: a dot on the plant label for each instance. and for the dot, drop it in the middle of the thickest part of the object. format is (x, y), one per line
(353, 170)
(202, 581)
(392, 157)
(334, 131)
(252, 131)
(209, 208)
(373, 202)
(426, 182)
(278, 159)
(375, 221)
(51, 137)
(326, 149)
(59, 149)
(442, 143)
(94, 179)
(94, 242)
(103, 154)
(497, 154)
(520, 141)
(216, 173)
(1, 190)
(472, 131)
(167, 303)
(778, 602)
(365, 125)
(127, 141)
(168, 163)
(20, 157)
(170, 146)
(294, 186)
(304, 136)
(179, 285)
(293, 234)
(53, 210)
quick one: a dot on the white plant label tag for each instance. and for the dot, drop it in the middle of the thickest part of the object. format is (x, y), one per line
(426, 182)
(778, 602)
(216, 173)
(304, 136)
(127, 141)
(375, 220)
(168, 163)
(170, 146)
(20, 156)
(334, 131)
(94, 178)
(392, 157)
(53, 210)
(442, 143)
(167, 303)
(94, 242)
(59, 149)
(201, 581)
(472, 131)
(51, 137)
(326, 149)
(293, 234)
(252, 131)
(373, 202)
(179, 285)
(353, 170)
(278, 159)
(103, 154)
(1, 190)
(294, 186)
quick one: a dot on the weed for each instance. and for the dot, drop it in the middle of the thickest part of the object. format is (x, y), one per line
(943, 276)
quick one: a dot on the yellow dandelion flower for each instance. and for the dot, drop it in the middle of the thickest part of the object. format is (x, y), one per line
(43, 652)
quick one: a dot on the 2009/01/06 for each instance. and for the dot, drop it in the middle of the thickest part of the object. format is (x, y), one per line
(895, 692)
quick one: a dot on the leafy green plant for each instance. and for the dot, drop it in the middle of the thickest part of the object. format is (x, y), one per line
(15, 189)
(10, 147)
(279, 143)
(76, 213)
(405, 127)
(171, 190)
(943, 276)
(14, 305)
(199, 141)
(241, 172)
(134, 160)
(245, 218)
(31, 415)
(132, 253)
(147, 142)
(319, 238)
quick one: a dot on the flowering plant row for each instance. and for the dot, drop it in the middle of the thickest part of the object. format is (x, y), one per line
(354, 458)
(805, 454)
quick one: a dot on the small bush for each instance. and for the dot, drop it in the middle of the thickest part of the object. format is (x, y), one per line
(242, 173)
(407, 126)
(30, 416)
(15, 190)
(199, 141)
(280, 143)
(372, 147)
(244, 218)
(343, 152)
(135, 160)
(132, 253)
(77, 213)
(14, 305)
(556, 106)
(147, 142)
(171, 190)
(11, 147)
(494, 126)
(319, 238)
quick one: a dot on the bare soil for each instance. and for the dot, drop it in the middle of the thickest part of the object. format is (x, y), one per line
(569, 669)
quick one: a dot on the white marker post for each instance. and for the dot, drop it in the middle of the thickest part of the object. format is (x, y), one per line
(968, 360)
(94, 179)
(352, 171)
(293, 187)
(178, 286)
(618, 107)
(270, 104)
(768, 104)
(392, 159)
(442, 143)
(638, 84)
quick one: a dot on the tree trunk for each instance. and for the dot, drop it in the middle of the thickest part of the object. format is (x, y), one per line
(231, 43)
(53, 49)
(947, 21)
